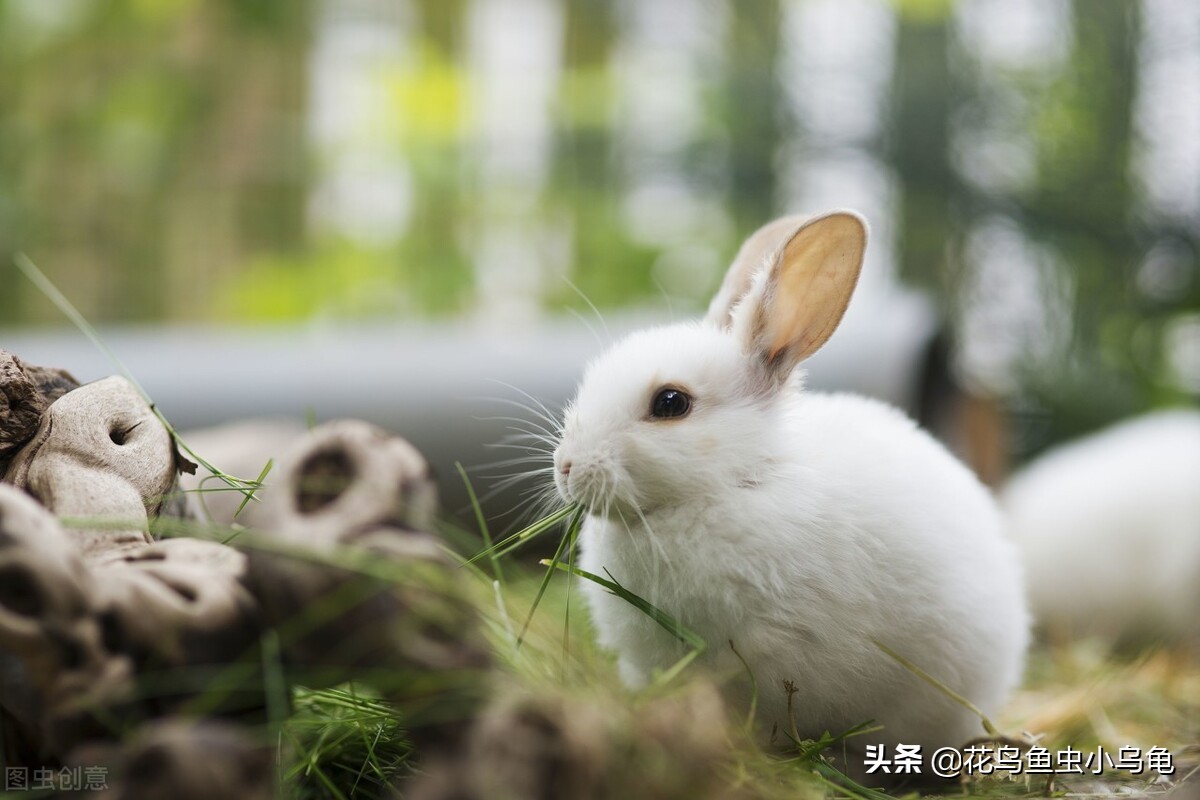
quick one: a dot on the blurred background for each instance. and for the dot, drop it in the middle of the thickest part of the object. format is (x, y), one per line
(226, 188)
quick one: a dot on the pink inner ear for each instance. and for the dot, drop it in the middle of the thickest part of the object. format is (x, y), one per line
(816, 275)
(760, 249)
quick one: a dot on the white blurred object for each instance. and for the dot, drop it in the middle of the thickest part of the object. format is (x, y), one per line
(1109, 528)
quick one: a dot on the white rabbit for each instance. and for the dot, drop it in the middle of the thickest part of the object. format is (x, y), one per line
(1109, 527)
(806, 529)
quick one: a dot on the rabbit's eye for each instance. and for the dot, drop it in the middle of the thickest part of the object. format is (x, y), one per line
(669, 403)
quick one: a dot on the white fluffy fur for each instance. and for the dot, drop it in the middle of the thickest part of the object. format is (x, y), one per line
(1109, 527)
(803, 528)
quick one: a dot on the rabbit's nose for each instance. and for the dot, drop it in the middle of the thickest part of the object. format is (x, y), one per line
(565, 468)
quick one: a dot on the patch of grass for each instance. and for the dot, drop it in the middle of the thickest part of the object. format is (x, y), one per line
(342, 742)
(347, 742)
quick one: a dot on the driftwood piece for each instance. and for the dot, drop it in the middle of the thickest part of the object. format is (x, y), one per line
(381, 599)
(99, 455)
(21, 406)
(347, 576)
(177, 604)
(26, 391)
(182, 760)
(54, 660)
(77, 640)
(553, 744)
(347, 478)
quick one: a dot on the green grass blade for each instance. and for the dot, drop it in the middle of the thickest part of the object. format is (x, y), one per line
(836, 779)
(809, 749)
(567, 543)
(275, 689)
(47, 287)
(510, 543)
(566, 639)
(258, 482)
(941, 687)
(497, 571)
(502, 613)
(665, 678)
(668, 623)
(753, 686)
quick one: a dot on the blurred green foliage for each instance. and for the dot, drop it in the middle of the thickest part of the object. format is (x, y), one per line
(159, 159)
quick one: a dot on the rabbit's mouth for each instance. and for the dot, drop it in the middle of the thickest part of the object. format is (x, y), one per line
(595, 490)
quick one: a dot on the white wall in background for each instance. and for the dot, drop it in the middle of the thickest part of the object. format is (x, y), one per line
(514, 57)
(667, 52)
(1167, 110)
(363, 186)
(835, 73)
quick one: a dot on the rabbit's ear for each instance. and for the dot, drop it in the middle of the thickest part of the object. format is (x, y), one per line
(753, 257)
(796, 302)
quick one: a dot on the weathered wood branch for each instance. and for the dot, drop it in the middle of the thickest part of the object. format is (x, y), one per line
(346, 576)
(26, 391)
